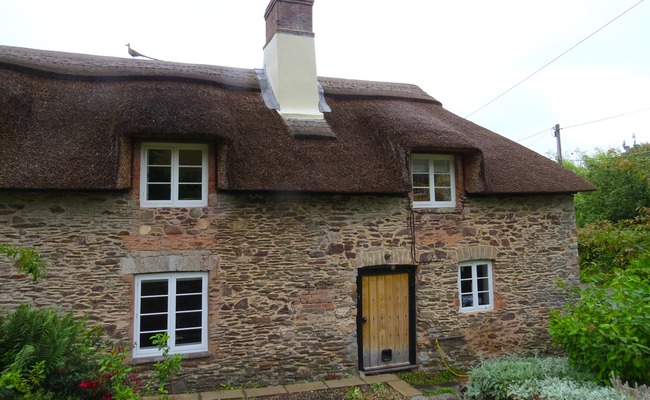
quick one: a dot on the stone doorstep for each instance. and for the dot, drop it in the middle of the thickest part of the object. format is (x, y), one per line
(404, 388)
(379, 378)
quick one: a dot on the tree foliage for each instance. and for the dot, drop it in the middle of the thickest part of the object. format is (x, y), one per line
(606, 246)
(623, 181)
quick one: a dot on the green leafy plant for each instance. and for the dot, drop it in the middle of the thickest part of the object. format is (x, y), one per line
(608, 328)
(28, 261)
(166, 368)
(354, 393)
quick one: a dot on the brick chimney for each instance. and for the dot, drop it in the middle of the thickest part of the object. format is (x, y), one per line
(290, 58)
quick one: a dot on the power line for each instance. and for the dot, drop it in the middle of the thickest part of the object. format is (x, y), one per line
(606, 118)
(553, 60)
(583, 123)
(535, 134)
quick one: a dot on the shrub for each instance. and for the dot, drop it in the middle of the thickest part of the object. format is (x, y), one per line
(63, 345)
(562, 389)
(114, 379)
(608, 329)
(493, 379)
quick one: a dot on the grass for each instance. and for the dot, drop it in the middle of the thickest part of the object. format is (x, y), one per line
(423, 378)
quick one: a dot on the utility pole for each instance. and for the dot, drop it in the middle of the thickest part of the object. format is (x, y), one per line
(559, 143)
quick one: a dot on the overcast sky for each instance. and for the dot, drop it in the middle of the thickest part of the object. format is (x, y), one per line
(464, 53)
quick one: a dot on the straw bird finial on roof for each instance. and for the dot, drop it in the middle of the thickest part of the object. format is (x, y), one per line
(134, 53)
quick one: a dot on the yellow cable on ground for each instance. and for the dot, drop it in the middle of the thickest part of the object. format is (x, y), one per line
(442, 356)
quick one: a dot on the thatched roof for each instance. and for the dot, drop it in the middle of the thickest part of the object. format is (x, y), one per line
(68, 121)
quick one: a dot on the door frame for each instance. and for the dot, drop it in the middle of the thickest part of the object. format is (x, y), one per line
(386, 270)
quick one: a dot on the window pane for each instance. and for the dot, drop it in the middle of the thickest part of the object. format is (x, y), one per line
(421, 195)
(443, 194)
(442, 180)
(159, 157)
(440, 166)
(190, 336)
(188, 320)
(159, 192)
(483, 284)
(465, 272)
(483, 299)
(150, 305)
(467, 300)
(189, 192)
(145, 339)
(190, 174)
(188, 302)
(153, 322)
(159, 174)
(466, 286)
(482, 270)
(190, 157)
(189, 286)
(420, 180)
(420, 166)
(153, 288)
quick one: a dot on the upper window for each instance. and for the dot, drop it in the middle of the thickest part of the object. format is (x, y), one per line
(174, 174)
(475, 286)
(175, 303)
(433, 180)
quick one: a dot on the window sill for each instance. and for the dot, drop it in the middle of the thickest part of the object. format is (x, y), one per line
(153, 359)
(475, 311)
(437, 210)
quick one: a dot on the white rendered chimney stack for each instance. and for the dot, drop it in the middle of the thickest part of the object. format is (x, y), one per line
(290, 58)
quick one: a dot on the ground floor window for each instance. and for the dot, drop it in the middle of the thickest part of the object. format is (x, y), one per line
(475, 286)
(175, 303)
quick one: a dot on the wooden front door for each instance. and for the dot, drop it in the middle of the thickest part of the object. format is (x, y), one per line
(386, 318)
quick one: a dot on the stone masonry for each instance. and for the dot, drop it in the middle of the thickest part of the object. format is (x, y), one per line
(283, 267)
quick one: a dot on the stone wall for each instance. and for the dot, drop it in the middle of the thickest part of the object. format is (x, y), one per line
(283, 268)
(532, 244)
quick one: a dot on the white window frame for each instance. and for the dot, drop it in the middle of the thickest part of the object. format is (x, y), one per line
(174, 201)
(475, 292)
(171, 278)
(452, 171)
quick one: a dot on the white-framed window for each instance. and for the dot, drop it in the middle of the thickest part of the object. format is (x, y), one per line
(433, 180)
(174, 174)
(176, 303)
(475, 286)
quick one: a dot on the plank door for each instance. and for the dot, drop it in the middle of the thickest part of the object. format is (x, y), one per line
(386, 319)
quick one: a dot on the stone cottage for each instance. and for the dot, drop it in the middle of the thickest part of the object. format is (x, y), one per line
(279, 225)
